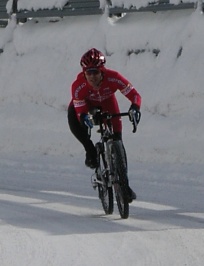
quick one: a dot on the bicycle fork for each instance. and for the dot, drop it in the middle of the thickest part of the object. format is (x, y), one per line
(110, 168)
(101, 175)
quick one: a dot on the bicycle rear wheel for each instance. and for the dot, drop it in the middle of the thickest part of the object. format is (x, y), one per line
(105, 192)
(119, 162)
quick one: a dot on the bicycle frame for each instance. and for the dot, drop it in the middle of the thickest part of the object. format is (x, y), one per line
(105, 128)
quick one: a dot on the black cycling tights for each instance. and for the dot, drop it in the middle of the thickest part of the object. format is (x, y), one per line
(80, 132)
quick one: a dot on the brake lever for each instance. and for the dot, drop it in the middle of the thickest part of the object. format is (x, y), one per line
(134, 123)
(89, 132)
(133, 120)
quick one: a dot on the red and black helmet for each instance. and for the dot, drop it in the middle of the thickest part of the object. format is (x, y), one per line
(92, 59)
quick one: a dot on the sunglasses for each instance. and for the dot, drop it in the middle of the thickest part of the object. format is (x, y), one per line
(94, 72)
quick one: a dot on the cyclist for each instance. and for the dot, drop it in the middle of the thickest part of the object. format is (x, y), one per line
(95, 86)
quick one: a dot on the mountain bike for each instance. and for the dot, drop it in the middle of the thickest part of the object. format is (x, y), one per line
(110, 175)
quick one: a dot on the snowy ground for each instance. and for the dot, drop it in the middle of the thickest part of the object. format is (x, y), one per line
(49, 213)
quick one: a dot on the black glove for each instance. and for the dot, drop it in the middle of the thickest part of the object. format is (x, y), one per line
(85, 120)
(134, 112)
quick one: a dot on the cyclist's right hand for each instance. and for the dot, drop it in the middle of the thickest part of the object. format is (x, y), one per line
(85, 120)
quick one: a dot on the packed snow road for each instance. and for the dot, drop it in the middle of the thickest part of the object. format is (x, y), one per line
(50, 215)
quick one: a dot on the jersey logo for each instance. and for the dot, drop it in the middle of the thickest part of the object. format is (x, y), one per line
(79, 103)
(76, 93)
(127, 89)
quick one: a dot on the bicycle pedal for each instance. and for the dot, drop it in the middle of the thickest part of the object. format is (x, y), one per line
(94, 185)
(94, 181)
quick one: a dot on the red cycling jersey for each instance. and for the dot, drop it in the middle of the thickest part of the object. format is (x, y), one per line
(85, 97)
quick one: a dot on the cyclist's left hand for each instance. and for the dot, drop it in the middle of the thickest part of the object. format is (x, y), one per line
(134, 111)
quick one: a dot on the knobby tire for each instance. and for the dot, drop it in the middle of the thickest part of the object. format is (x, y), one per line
(105, 192)
(119, 161)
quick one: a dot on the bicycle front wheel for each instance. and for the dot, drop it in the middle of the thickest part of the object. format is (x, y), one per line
(120, 182)
(105, 191)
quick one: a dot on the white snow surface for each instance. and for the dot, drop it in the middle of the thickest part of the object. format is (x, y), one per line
(49, 212)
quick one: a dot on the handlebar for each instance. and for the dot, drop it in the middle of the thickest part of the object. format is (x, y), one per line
(108, 116)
